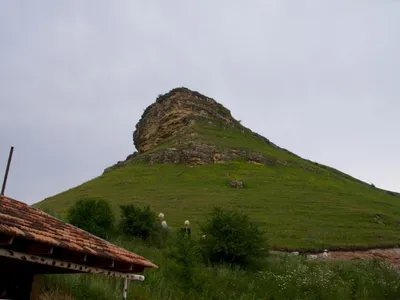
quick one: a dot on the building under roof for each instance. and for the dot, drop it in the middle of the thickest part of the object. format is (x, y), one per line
(33, 242)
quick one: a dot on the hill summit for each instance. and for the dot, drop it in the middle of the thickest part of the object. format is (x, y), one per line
(186, 127)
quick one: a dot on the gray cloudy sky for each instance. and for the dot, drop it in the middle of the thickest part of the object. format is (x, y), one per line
(320, 78)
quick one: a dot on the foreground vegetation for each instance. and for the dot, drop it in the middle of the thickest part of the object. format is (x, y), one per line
(300, 208)
(281, 277)
(224, 263)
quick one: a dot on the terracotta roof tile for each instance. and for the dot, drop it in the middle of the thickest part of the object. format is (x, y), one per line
(21, 220)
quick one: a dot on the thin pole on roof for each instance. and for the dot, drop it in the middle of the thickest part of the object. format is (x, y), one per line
(125, 291)
(7, 170)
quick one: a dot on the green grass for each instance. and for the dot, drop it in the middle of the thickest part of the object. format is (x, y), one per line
(281, 277)
(301, 204)
(297, 207)
(238, 137)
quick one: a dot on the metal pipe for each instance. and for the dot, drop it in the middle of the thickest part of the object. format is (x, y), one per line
(7, 170)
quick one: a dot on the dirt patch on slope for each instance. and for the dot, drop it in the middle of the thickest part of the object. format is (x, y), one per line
(392, 256)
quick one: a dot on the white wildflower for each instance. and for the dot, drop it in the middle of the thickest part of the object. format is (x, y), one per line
(164, 224)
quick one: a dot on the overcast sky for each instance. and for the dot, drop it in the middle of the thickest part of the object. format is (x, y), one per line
(320, 78)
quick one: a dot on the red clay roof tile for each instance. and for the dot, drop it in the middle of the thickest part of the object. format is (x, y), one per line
(21, 220)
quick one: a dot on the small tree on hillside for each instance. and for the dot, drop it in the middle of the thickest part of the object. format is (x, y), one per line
(138, 222)
(231, 237)
(93, 215)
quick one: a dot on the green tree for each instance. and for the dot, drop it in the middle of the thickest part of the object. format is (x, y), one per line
(231, 237)
(93, 215)
(138, 222)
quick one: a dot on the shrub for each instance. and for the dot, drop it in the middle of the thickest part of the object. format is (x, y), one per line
(93, 215)
(184, 252)
(231, 237)
(161, 238)
(138, 222)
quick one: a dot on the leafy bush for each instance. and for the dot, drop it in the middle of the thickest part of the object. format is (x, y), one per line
(93, 215)
(232, 237)
(184, 252)
(138, 222)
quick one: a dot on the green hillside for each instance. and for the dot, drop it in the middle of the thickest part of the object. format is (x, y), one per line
(301, 204)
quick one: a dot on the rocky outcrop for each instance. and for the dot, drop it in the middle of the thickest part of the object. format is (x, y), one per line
(237, 184)
(196, 154)
(165, 133)
(174, 130)
(170, 115)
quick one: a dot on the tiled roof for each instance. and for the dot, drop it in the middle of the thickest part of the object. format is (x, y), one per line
(21, 220)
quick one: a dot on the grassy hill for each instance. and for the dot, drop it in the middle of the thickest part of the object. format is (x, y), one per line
(301, 204)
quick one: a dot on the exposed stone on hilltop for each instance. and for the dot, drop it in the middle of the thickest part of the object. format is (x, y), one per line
(165, 133)
(170, 115)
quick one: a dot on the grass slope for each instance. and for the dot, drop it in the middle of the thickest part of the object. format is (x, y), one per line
(299, 208)
(301, 205)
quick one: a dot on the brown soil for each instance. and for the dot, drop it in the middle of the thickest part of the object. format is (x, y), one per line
(391, 255)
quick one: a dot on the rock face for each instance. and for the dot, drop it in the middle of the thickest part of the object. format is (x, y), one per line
(170, 115)
(166, 132)
(186, 127)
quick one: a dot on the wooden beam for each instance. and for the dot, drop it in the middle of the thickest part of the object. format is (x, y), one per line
(6, 240)
(82, 257)
(122, 266)
(101, 262)
(109, 263)
(137, 268)
(40, 249)
(67, 265)
(68, 255)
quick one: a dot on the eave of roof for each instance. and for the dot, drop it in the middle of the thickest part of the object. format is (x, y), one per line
(23, 262)
(17, 219)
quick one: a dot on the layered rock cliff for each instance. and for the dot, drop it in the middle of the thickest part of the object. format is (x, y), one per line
(171, 114)
(184, 126)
